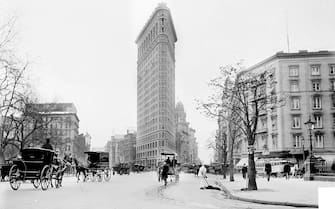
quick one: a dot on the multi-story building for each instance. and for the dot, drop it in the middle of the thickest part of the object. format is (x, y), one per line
(156, 87)
(88, 141)
(62, 125)
(112, 147)
(186, 144)
(303, 84)
(122, 148)
(80, 147)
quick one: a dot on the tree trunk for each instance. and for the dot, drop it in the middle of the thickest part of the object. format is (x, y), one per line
(251, 173)
(224, 164)
(231, 161)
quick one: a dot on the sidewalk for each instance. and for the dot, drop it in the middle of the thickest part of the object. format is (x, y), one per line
(278, 190)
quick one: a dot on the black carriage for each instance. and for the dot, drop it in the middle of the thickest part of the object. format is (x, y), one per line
(40, 166)
(98, 165)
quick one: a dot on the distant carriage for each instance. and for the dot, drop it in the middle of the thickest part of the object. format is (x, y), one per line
(122, 168)
(137, 168)
(40, 166)
(98, 166)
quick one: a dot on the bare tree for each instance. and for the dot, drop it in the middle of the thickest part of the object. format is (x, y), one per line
(18, 121)
(11, 82)
(242, 98)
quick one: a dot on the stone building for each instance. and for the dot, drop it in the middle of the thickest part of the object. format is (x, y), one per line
(305, 82)
(62, 125)
(186, 144)
(122, 148)
(80, 147)
(156, 87)
(88, 141)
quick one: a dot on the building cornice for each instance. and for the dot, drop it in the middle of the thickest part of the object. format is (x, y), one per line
(300, 54)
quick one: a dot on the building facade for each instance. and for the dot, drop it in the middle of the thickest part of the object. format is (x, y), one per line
(62, 125)
(122, 148)
(80, 147)
(303, 84)
(156, 87)
(186, 144)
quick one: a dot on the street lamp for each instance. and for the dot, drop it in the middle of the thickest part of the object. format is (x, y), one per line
(309, 161)
(303, 148)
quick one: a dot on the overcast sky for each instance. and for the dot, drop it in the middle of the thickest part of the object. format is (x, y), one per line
(84, 51)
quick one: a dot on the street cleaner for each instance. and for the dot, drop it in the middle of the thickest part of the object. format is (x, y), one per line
(203, 179)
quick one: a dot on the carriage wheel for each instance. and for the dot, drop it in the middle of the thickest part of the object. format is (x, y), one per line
(36, 183)
(45, 177)
(14, 177)
(107, 174)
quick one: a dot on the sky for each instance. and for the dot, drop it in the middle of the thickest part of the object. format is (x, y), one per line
(84, 51)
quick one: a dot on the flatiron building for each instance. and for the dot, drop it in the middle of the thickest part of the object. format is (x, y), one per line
(156, 88)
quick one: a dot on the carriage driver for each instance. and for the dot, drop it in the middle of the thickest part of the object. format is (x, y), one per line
(47, 144)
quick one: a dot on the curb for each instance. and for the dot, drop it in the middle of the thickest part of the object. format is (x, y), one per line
(265, 202)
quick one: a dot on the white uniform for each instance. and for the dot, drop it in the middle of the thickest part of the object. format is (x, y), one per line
(202, 176)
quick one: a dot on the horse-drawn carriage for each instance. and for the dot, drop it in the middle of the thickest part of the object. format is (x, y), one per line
(168, 168)
(137, 168)
(122, 168)
(40, 166)
(98, 166)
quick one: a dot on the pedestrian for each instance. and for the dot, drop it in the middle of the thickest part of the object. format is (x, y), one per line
(174, 161)
(203, 176)
(164, 173)
(295, 170)
(268, 170)
(244, 170)
(47, 144)
(287, 170)
(197, 170)
(168, 161)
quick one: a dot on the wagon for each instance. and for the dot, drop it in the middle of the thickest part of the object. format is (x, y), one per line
(37, 165)
(98, 166)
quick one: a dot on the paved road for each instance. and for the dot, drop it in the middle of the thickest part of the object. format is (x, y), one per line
(135, 191)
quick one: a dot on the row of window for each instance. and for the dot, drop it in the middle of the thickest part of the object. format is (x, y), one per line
(60, 132)
(296, 121)
(151, 145)
(315, 70)
(147, 154)
(316, 102)
(318, 141)
(316, 85)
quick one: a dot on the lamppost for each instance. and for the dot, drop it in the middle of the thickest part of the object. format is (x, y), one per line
(309, 160)
(303, 148)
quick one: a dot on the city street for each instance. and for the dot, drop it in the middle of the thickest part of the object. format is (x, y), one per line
(127, 191)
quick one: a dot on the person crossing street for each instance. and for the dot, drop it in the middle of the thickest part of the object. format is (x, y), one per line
(202, 175)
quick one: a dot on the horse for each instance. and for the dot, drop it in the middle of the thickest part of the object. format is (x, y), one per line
(80, 169)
